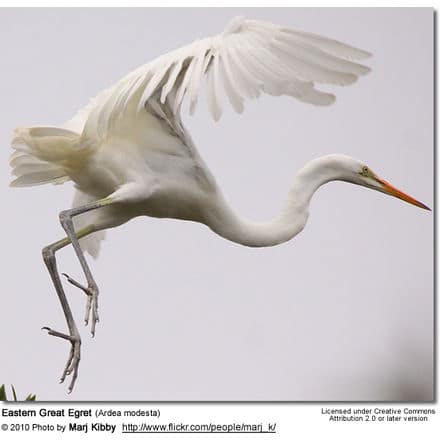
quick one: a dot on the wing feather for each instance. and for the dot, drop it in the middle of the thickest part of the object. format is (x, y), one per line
(250, 85)
(183, 85)
(312, 54)
(229, 84)
(248, 58)
(328, 45)
(196, 77)
(213, 86)
(152, 85)
(171, 81)
(309, 69)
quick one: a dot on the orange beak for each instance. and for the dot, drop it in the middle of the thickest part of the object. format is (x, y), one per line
(391, 190)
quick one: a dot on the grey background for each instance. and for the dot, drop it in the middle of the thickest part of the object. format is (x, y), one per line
(343, 312)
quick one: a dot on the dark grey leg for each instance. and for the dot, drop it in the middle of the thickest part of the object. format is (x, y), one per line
(92, 289)
(73, 336)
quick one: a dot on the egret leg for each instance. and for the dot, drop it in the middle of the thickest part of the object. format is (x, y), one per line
(86, 291)
(66, 220)
(73, 337)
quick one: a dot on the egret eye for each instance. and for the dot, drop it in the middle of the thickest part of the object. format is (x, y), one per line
(365, 171)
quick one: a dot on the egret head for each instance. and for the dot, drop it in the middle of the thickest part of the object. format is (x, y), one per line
(364, 175)
(332, 167)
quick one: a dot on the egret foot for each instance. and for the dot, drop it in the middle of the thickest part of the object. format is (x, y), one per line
(72, 363)
(92, 302)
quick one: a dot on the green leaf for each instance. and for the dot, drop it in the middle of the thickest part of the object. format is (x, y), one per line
(3, 393)
(14, 393)
(31, 397)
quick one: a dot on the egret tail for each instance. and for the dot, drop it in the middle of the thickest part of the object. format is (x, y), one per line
(41, 155)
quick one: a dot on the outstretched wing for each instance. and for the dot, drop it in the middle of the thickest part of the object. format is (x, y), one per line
(248, 58)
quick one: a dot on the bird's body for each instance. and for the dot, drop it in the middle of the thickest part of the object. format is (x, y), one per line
(130, 138)
(129, 154)
(167, 176)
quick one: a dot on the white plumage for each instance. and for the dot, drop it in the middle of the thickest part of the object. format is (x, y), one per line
(248, 58)
(129, 155)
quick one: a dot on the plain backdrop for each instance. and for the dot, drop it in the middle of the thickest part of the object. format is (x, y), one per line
(343, 312)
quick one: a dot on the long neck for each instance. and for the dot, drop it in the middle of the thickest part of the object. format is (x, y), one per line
(290, 221)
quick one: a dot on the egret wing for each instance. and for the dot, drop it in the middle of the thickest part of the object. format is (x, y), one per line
(250, 57)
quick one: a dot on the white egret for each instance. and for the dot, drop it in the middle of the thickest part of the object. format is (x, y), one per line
(129, 155)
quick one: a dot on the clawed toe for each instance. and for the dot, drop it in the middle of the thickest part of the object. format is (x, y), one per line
(76, 284)
(72, 364)
(92, 302)
(57, 334)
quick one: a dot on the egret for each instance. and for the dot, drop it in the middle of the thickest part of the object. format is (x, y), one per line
(128, 153)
